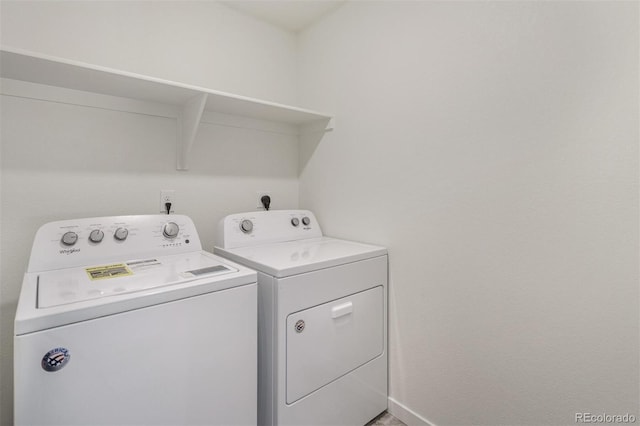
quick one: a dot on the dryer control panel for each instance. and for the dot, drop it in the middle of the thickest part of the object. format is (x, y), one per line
(265, 227)
(78, 242)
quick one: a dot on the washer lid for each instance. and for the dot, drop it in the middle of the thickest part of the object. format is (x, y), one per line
(297, 257)
(72, 285)
(66, 296)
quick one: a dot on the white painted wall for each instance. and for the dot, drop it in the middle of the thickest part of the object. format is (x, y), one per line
(493, 147)
(61, 161)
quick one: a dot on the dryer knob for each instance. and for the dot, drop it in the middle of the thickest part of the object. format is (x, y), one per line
(121, 234)
(295, 221)
(96, 236)
(306, 221)
(170, 230)
(69, 238)
(246, 226)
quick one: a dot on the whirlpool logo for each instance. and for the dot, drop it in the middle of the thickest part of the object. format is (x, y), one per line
(69, 251)
(55, 359)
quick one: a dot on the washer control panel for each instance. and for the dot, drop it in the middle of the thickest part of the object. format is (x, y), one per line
(254, 228)
(71, 243)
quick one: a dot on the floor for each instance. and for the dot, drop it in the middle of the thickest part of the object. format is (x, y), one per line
(385, 419)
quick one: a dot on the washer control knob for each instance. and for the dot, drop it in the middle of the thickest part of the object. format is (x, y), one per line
(69, 238)
(121, 234)
(170, 230)
(96, 236)
(306, 221)
(246, 226)
(295, 221)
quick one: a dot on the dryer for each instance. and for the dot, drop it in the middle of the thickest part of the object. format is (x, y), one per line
(125, 320)
(322, 318)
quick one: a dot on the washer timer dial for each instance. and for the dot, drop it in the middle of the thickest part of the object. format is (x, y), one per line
(170, 230)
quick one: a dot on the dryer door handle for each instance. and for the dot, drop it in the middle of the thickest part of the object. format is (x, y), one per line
(342, 310)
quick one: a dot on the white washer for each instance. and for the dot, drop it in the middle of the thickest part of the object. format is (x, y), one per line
(125, 320)
(322, 318)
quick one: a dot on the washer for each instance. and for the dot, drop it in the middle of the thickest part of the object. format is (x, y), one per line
(125, 320)
(322, 318)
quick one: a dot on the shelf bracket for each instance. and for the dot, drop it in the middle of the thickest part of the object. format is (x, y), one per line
(309, 136)
(318, 126)
(188, 123)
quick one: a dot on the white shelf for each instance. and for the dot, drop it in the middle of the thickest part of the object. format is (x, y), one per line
(191, 101)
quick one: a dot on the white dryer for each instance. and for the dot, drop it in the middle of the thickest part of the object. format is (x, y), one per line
(125, 320)
(322, 318)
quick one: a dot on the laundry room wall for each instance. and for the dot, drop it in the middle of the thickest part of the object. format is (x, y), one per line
(61, 161)
(493, 147)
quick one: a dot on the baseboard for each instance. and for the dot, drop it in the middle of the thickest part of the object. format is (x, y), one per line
(406, 415)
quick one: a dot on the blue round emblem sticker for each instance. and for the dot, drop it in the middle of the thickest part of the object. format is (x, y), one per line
(55, 359)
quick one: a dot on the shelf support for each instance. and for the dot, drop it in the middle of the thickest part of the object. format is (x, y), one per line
(188, 123)
(318, 126)
(309, 136)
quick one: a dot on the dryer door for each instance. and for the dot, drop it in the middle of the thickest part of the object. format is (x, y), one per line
(330, 340)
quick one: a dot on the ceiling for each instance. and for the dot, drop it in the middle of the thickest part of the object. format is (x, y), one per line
(290, 15)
